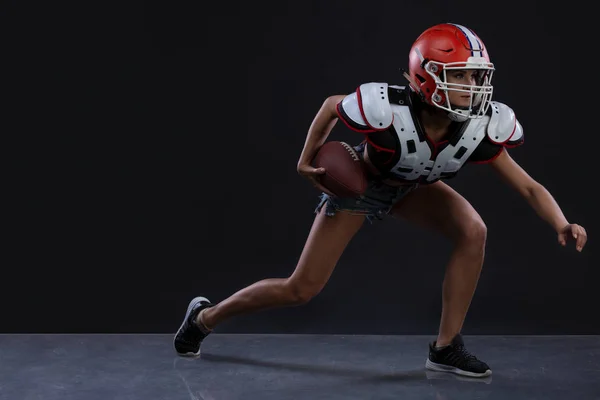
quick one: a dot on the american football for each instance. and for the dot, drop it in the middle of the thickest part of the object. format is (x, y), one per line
(345, 174)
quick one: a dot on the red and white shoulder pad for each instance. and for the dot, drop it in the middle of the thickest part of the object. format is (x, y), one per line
(503, 127)
(375, 105)
(349, 112)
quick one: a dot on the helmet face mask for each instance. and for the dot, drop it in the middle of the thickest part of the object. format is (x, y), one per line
(480, 94)
(444, 49)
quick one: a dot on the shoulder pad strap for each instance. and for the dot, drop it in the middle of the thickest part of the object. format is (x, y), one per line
(375, 105)
(503, 123)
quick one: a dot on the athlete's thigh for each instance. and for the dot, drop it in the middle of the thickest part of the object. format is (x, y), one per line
(324, 246)
(438, 207)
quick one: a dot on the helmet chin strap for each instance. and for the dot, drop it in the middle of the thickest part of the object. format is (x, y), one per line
(460, 117)
(413, 84)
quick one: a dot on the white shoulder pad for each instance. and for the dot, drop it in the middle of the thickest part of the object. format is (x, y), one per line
(351, 108)
(376, 105)
(518, 135)
(503, 123)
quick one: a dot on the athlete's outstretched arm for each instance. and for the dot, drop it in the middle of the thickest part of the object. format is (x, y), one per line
(540, 199)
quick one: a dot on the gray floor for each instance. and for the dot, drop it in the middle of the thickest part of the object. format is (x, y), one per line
(115, 367)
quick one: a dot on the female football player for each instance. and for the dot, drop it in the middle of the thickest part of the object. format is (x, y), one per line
(415, 137)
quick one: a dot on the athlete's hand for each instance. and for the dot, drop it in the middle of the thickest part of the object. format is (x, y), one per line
(575, 232)
(313, 174)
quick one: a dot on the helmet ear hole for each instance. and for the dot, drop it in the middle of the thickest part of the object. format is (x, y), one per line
(420, 78)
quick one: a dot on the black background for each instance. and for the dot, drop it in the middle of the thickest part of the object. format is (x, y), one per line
(155, 150)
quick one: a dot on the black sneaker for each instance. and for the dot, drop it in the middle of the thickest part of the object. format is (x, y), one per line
(189, 336)
(456, 359)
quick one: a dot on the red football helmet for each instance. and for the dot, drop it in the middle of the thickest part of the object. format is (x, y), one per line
(445, 47)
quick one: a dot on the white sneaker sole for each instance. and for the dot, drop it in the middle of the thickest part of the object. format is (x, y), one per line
(446, 368)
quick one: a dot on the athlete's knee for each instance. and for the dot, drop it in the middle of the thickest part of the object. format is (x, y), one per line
(301, 291)
(473, 233)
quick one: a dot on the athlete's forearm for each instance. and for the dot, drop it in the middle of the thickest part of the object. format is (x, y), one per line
(319, 129)
(546, 207)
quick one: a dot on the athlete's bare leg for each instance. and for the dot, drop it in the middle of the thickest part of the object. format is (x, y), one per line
(326, 242)
(439, 207)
